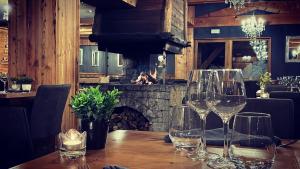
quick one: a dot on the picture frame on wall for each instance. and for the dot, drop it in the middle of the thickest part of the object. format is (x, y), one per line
(292, 50)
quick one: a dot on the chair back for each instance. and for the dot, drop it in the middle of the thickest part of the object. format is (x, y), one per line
(295, 96)
(251, 88)
(272, 88)
(16, 146)
(47, 110)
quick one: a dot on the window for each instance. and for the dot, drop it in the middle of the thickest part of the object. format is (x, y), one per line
(81, 57)
(95, 58)
(120, 60)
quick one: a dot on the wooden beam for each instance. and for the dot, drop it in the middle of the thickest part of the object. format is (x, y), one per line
(281, 7)
(191, 16)
(197, 2)
(271, 19)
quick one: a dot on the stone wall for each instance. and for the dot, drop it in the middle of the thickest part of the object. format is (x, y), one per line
(155, 102)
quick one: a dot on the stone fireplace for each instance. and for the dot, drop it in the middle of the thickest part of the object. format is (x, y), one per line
(154, 102)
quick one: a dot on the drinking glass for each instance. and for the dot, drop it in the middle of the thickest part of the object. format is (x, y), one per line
(184, 129)
(226, 96)
(196, 99)
(252, 144)
(3, 79)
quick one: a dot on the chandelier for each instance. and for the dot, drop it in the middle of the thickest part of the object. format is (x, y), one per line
(260, 49)
(237, 4)
(253, 27)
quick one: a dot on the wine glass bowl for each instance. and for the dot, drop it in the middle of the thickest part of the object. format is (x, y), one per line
(196, 100)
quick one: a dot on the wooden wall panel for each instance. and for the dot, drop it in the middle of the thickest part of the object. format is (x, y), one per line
(44, 44)
(3, 49)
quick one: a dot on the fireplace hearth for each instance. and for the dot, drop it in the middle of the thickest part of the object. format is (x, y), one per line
(155, 102)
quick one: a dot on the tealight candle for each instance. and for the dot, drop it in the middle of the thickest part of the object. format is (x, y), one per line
(72, 143)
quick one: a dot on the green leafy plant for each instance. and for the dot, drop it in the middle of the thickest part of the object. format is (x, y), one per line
(92, 104)
(3, 75)
(265, 79)
(24, 80)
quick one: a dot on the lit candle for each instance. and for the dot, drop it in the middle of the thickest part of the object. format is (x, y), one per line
(72, 140)
(72, 145)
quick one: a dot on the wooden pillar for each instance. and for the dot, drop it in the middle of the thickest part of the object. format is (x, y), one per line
(185, 62)
(228, 54)
(44, 44)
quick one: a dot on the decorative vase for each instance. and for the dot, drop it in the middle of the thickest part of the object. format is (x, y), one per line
(96, 133)
(26, 87)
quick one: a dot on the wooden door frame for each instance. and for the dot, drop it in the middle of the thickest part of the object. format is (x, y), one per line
(228, 53)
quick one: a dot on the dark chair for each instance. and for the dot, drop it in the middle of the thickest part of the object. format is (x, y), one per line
(281, 111)
(272, 88)
(251, 88)
(46, 117)
(16, 146)
(295, 96)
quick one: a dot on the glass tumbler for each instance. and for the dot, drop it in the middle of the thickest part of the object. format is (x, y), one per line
(184, 129)
(252, 144)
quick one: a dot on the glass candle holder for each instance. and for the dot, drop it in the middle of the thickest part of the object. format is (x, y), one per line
(72, 144)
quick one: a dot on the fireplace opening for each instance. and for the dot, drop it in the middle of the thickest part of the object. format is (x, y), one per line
(126, 118)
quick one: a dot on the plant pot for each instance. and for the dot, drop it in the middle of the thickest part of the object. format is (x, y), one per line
(96, 133)
(26, 87)
(15, 86)
(263, 93)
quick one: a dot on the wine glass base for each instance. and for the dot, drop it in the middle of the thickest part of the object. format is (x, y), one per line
(221, 163)
(203, 156)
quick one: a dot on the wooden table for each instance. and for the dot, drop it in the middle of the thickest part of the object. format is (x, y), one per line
(145, 150)
(12, 95)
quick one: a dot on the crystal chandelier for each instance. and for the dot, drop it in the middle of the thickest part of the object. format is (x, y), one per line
(260, 49)
(253, 27)
(237, 4)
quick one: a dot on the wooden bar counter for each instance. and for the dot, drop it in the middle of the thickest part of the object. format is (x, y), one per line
(145, 150)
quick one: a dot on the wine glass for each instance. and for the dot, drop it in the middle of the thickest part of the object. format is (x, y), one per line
(252, 144)
(226, 96)
(196, 93)
(3, 79)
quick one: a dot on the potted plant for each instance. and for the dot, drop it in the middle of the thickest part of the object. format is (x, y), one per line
(264, 79)
(94, 108)
(15, 83)
(25, 82)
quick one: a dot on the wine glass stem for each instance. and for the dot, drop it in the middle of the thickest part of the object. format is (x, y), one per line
(225, 150)
(202, 143)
